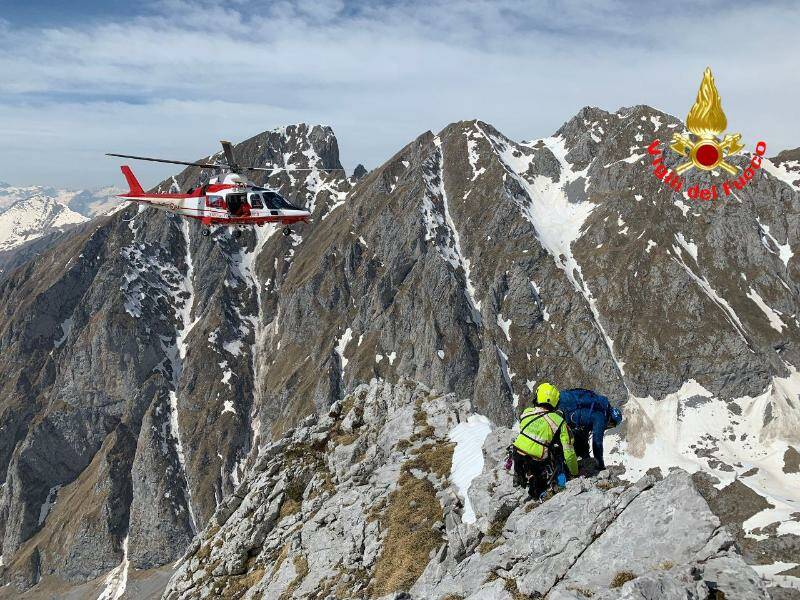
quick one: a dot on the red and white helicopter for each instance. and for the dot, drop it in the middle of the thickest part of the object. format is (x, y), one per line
(227, 199)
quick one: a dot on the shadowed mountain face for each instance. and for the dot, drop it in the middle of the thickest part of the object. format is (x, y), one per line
(142, 362)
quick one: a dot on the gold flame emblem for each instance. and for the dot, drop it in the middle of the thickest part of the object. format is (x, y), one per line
(706, 120)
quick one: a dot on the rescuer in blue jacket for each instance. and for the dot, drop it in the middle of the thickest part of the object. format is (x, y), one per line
(588, 413)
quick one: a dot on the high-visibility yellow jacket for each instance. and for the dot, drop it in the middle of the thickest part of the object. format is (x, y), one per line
(537, 428)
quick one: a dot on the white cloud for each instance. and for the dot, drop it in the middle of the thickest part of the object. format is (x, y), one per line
(186, 74)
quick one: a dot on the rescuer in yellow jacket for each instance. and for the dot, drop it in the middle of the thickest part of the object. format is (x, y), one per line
(541, 430)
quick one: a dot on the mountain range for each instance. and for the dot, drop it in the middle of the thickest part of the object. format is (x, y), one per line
(28, 214)
(155, 381)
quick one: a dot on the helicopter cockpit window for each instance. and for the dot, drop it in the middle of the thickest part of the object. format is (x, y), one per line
(255, 201)
(276, 201)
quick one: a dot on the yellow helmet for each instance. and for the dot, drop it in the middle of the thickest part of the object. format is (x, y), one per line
(547, 393)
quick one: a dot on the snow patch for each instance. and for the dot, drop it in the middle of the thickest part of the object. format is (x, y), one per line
(233, 347)
(781, 172)
(226, 373)
(117, 580)
(341, 344)
(468, 457)
(545, 313)
(557, 221)
(770, 573)
(784, 250)
(656, 121)
(772, 315)
(694, 430)
(472, 155)
(505, 325)
(680, 204)
(508, 375)
(688, 245)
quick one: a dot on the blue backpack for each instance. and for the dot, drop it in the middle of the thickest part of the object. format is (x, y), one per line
(577, 405)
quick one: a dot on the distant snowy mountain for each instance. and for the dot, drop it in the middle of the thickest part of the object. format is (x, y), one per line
(32, 218)
(28, 213)
(89, 203)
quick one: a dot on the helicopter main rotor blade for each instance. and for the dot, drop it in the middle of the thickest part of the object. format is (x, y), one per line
(172, 162)
(227, 148)
(270, 169)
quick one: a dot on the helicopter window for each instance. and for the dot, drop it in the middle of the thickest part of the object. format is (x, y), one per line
(215, 202)
(255, 201)
(276, 201)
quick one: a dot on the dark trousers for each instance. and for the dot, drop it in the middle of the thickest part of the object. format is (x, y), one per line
(581, 442)
(533, 474)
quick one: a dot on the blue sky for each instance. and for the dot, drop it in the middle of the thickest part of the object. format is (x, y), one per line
(171, 77)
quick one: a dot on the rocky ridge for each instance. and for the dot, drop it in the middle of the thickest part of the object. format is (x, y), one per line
(358, 504)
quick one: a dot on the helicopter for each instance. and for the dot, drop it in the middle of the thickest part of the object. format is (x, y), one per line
(227, 199)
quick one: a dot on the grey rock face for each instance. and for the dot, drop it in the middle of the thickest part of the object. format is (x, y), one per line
(316, 509)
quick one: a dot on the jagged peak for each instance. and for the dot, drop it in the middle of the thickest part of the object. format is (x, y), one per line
(359, 172)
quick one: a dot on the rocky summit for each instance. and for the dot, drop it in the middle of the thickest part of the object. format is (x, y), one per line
(280, 415)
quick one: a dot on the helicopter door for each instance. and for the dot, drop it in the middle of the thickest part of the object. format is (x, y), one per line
(236, 204)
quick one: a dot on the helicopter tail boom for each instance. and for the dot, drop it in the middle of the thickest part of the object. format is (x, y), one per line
(133, 183)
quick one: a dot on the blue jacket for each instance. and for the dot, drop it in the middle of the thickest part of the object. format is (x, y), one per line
(585, 411)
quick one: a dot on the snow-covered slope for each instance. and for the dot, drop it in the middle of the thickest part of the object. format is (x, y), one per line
(749, 439)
